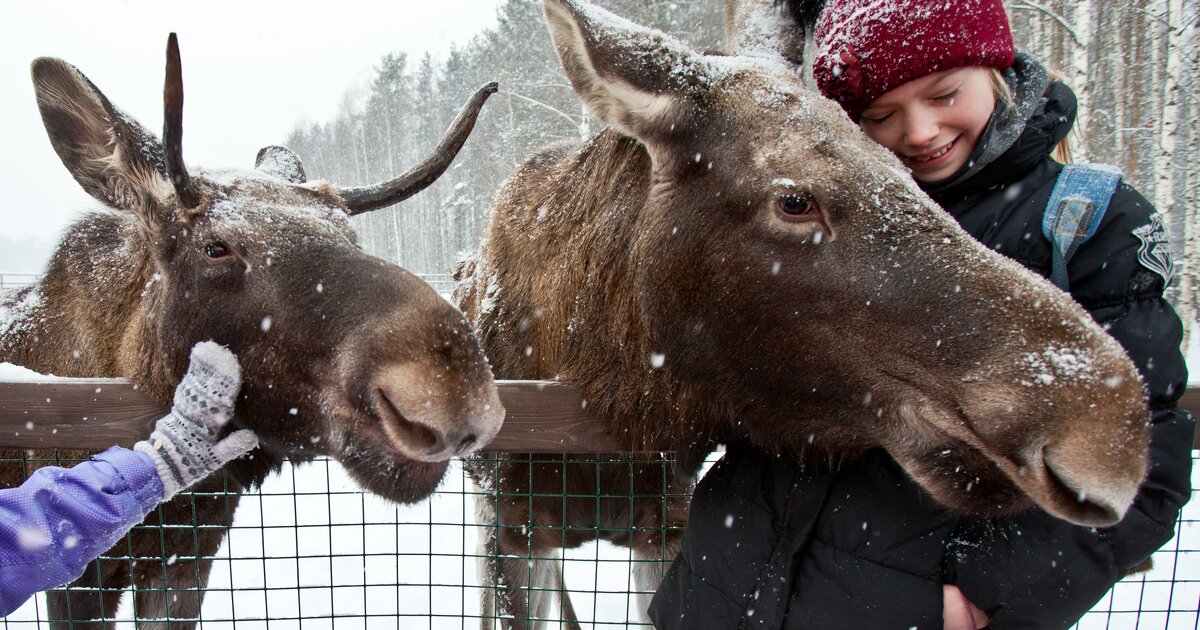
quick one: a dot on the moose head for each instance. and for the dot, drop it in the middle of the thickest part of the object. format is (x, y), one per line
(343, 354)
(787, 270)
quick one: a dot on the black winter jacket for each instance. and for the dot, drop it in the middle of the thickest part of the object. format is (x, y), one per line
(774, 544)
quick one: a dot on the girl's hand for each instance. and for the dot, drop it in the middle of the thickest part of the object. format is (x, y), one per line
(186, 445)
(958, 613)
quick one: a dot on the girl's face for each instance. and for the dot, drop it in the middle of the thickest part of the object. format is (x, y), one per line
(933, 123)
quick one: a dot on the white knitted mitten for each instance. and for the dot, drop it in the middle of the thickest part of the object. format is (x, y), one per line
(184, 444)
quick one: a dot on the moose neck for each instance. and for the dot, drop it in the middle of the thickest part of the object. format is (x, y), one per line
(580, 316)
(84, 318)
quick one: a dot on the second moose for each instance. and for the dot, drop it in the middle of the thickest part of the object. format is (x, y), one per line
(733, 259)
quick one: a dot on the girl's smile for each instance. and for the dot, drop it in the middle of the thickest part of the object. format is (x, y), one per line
(931, 160)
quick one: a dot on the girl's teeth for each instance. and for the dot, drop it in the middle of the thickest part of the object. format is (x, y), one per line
(935, 155)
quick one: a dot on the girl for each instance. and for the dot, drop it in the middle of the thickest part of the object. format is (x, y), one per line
(939, 83)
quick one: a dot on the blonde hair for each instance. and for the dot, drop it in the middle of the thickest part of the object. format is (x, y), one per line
(1062, 152)
(1000, 86)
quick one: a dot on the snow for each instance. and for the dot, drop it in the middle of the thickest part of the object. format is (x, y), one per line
(10, 373)
(845, 30)
(32, 539)
(491, 296)
(14, 314)
(277, 165)
(759, 34)
(1069, 363)
(688, 67)
(241, 204)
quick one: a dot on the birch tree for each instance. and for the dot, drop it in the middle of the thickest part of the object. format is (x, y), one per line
(1132, 65)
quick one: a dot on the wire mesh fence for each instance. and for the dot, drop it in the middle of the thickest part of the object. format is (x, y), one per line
(309, 549)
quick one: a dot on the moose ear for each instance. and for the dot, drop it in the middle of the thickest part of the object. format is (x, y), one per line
(632, 78)
(778, 30)
(280, 163)
(113, 158)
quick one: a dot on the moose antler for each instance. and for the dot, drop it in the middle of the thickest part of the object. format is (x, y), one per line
(189, 197)
(365, 198)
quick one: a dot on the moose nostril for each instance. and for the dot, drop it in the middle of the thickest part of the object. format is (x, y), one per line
(417, 434)
(466, 444)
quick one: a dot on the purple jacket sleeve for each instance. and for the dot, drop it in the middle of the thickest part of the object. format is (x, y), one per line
(60, 519)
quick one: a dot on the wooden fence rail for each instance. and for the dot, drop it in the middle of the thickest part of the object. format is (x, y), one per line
(91, 414)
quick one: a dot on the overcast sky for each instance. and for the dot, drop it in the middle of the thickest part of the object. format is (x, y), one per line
(252, 69)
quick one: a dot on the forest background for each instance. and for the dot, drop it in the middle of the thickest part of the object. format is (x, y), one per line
(1133, 63)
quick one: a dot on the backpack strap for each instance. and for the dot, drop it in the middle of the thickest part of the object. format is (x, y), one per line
(1077, 203)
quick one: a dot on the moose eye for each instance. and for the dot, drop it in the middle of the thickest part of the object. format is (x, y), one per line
(794, 207)
(217, 252)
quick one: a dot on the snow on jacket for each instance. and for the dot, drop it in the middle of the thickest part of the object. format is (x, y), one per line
(60, 519)
(771, 543)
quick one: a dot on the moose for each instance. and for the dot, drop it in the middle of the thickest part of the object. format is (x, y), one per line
(733, 259)
(343, 354)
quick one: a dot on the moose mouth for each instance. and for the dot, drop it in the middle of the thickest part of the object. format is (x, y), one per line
(396, 426)
(376, 465)
(954, 462)
(1083, 509)
(361, 444)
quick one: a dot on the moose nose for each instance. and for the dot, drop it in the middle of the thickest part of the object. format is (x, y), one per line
(422, 432)
(1087, 494)
(430, 420)
(441, 448)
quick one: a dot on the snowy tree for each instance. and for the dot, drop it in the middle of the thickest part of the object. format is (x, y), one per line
(405, 110)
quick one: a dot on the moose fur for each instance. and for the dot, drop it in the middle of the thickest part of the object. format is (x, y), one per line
(733, 259)
(343, 354)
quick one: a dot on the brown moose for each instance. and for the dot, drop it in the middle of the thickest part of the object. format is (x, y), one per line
(733, 259)
(344, 354)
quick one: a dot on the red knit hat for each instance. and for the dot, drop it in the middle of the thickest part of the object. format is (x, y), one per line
(866, 48)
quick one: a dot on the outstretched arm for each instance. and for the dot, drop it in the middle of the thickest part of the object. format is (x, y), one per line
(60, 519)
